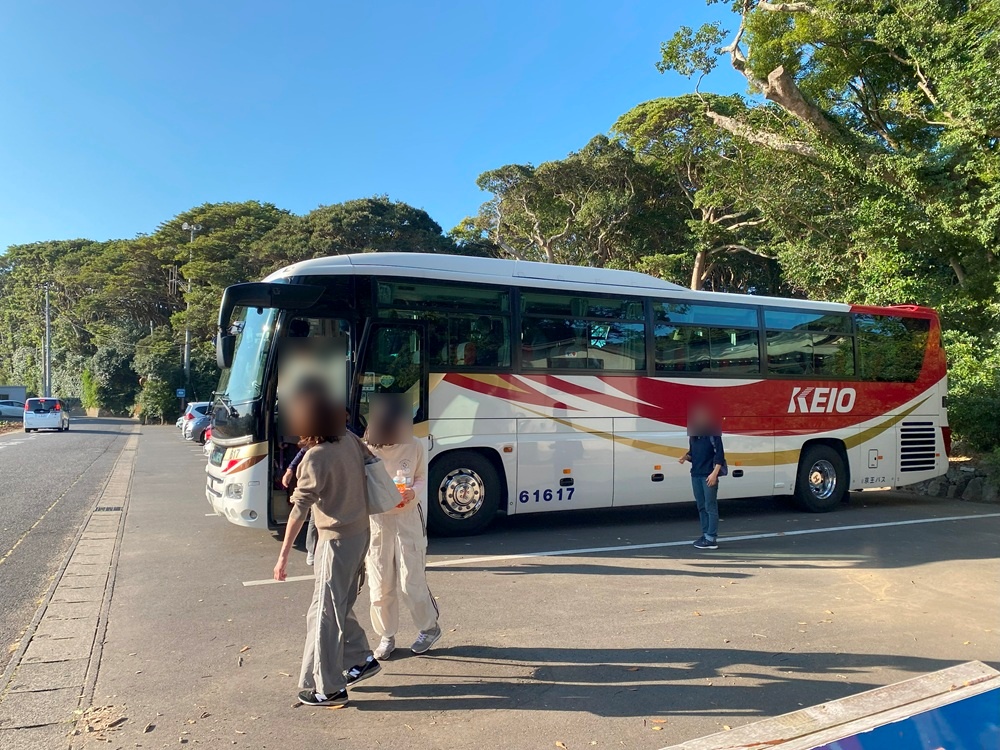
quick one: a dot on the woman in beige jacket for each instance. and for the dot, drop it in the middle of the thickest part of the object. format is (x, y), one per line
(331, 483)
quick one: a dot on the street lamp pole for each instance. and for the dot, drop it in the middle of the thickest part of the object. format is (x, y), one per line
(47, 386)
(192, 228)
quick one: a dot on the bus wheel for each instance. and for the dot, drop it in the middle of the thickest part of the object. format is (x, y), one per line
(822, 481)
(464, 494)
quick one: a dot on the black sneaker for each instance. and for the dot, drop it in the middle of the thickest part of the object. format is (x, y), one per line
(312, 698)
(360, 672)
(704, 543)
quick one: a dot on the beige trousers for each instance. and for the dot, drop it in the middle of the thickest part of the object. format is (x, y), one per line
(397, 560)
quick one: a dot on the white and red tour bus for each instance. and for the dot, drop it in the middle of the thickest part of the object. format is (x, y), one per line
(544, 387)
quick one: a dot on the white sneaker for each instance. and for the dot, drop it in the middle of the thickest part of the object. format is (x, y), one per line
(385, 647)
(426, 639)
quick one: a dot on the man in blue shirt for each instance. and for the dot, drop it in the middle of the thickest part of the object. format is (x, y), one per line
(707, 457)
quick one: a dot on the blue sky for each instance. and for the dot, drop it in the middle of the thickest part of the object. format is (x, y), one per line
(119, 115)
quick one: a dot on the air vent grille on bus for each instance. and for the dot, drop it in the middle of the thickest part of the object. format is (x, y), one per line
(917, 446)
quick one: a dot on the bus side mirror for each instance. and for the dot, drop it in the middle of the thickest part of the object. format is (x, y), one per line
(225, 346)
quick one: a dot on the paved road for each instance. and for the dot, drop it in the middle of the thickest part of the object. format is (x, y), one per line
(48, 480)
(636, 648)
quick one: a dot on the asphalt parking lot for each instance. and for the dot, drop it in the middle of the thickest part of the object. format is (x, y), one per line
(620, 635)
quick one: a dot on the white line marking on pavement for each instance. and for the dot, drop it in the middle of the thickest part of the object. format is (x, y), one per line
(745, 537)
(658, 545)
(271, 580)
(212, 514)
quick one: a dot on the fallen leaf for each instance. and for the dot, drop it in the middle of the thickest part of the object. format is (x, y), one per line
(633, 669)
(640, 610)
(148, 728)
(697, 614)
(966, 643)
(726, 727)
(803, 623)
(725, 640)
(561, 744)
(657, 729)
(659, 721)
(244, 649)
(829, 611)
(284, 674)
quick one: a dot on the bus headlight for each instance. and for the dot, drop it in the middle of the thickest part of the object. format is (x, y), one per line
(234, 491)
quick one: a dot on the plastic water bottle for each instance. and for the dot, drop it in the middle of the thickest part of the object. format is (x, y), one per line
(400, 481)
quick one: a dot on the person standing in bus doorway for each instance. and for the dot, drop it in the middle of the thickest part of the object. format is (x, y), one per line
(708, 459)
(299, 329)
(397, 557)
(331, 483)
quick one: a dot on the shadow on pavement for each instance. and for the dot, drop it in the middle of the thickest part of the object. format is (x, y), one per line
(629, 683)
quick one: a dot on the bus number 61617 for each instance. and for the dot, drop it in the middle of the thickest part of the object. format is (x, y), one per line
(547, 495)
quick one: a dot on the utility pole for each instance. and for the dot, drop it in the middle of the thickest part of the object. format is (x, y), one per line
(192, 228)
(47, 386)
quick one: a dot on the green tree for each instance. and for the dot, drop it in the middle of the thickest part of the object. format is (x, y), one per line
(885, 100)
(727, 246)
(584, 209)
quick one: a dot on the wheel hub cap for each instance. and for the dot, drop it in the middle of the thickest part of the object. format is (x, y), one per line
(461, 493)
(822, 480)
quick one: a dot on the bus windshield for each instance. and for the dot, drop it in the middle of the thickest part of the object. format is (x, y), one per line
(244, 381)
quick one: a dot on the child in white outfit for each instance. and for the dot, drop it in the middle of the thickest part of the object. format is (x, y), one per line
(397, 555)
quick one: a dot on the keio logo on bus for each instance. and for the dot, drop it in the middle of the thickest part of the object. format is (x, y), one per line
(821, 400)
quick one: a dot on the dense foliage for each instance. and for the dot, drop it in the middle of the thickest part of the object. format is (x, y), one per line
(862, 165)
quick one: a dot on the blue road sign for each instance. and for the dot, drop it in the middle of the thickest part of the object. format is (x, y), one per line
(181, 393)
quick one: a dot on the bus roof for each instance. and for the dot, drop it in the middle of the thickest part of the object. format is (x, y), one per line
(473, 270)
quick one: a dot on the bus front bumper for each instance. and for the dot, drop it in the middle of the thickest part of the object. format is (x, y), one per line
(242, 497)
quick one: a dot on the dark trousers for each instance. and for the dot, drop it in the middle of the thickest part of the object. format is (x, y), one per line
(707, 500)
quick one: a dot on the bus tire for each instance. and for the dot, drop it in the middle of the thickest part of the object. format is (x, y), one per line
(822, 480)
(464, 493)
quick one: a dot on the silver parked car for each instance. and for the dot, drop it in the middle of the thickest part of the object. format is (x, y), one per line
(13, 409)
(194, 409)
(195, 429)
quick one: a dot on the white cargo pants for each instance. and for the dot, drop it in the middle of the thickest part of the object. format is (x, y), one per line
(397, 559)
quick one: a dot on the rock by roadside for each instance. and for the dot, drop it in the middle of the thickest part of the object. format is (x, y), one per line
(9, 426)
(964, 481)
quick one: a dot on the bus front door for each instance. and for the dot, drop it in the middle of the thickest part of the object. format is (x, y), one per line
(392, 360)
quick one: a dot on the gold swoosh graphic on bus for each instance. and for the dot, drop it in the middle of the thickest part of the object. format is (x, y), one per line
(495, 381)
(770, 458)
(878, 429)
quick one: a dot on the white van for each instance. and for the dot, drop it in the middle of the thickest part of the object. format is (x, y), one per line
(45, 414)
